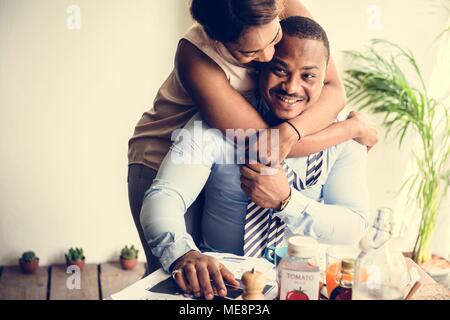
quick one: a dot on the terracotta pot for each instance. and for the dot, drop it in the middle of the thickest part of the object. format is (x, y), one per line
(128, 264)
(79, 263)
(29, 267)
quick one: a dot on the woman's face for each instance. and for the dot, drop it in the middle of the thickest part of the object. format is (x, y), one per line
(256, 43)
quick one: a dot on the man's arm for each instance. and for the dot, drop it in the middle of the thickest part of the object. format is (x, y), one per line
(180, 179)
(343, 217)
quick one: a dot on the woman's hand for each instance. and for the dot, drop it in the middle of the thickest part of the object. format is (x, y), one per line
(194, 271)
(366, 133)
(273, 145)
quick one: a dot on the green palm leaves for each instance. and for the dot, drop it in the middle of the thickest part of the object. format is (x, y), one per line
(386, 80)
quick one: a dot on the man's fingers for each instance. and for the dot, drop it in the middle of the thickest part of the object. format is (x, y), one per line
(228, 276)
(256, 167)
(181, 282)
(191, 275)
(216, 277)
(246, 189)
(205, 282)
(269, 171)
(246, 181)
(247, 172)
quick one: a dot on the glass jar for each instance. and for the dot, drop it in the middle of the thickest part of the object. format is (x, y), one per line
(298, 272)
(345, 281)
(381, 272)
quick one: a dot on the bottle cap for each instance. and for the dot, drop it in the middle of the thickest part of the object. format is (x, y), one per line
(348, 265)
(302, 247)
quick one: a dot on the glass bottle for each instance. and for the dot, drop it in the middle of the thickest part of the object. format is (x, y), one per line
(298, 272)
(345, 279)
(381, 272)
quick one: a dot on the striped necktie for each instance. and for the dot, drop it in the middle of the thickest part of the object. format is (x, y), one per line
(262, 229)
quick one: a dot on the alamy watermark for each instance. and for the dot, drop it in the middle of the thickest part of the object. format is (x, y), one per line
(373, 17)
(73, 282)
(200, 145)
(73, 21)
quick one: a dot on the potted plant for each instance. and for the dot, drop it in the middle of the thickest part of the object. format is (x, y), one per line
(128, 257)
(29, 262)
(378, 83)
(75, 256)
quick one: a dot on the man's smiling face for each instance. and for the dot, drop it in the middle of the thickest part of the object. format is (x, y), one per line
(294, 79)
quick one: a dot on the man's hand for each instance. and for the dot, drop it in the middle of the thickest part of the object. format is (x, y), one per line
(266, 190)
(366, 133)
(194, 271)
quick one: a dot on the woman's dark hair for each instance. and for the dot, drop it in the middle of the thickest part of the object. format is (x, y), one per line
(225, 20)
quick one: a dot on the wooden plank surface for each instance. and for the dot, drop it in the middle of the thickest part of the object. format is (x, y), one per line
(15, 285)
(63, 285)
(113, 278)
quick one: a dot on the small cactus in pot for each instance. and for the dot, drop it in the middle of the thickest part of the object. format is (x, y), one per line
(75, 256)
(29, 262)
(128, 257)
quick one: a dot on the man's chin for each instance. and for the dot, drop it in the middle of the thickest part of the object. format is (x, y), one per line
(287, 115)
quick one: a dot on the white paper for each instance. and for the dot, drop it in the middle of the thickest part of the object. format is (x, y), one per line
(236, 264)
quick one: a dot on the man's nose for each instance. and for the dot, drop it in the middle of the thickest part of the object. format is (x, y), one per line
(292, 86)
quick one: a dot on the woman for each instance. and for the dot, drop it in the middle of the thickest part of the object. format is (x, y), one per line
(213, 66)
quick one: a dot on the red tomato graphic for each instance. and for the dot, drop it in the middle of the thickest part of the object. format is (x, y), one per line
(296, 295)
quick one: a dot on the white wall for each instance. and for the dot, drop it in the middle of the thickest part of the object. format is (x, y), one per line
(69, 100)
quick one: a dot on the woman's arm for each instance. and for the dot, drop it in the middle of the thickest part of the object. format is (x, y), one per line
(357, 125)
(224, 108)
(219, 103)
(334, 134)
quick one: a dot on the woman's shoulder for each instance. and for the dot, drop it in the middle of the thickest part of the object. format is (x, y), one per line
(196, 34)
(198, 54)
(215, 50)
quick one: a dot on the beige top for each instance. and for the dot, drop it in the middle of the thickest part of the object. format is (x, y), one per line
(173, 107)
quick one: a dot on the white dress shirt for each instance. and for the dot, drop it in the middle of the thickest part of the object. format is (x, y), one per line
(334, 211)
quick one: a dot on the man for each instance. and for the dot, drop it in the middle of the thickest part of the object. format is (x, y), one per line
(323, 196)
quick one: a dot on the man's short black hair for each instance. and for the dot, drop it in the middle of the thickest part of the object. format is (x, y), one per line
(305, 28)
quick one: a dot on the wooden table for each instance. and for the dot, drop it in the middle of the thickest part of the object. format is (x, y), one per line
(50, 283)
(97, 282)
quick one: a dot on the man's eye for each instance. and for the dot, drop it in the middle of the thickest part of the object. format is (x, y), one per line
(308, 76)
(249, 55)
(279, 71)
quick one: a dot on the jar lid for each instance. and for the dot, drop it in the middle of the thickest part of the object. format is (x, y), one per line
(302, 247)
(348, 265)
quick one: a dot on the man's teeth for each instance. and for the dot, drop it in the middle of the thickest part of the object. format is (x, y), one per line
(287, 100)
